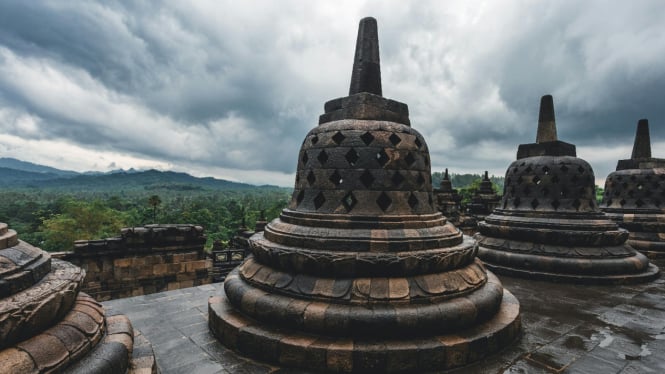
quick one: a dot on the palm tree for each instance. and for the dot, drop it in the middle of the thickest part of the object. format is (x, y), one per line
(154, 201)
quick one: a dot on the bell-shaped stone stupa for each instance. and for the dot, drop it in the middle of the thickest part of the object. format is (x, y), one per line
(635, 196)
(361, 273)
(548, 224)
(48, 326)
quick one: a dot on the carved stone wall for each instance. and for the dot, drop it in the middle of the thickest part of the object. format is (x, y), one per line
(142, 260)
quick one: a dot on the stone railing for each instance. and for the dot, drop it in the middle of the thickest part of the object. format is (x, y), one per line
(142, 260)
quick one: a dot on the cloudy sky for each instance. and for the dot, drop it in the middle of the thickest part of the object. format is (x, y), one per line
(230, 88)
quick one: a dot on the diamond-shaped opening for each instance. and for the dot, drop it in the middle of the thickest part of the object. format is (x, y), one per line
(335, 178)
(516, 202)
(580, 169)
(639, 203)
(421, 179)
(555, 179)
(546, 191)
(301, 195)
(617, 193)
(576, 204)
(382, 157)
(555, 204)
(367, 178)
(367, 138)
(564, 168)
(311, 178)
(384, 201)
(514, 170)
(319, 200)
(304, 158)
(409, 159)
(536, 180)
(322, 157)
(546, 170)
(418, 143)
(394, 139)
(622, 202)
(338, 137)
(413, 201)
(534, 203)
(315, 139)
(351, 157)
(523, 163)
(528, 169)
(349, 201)
(397, 179)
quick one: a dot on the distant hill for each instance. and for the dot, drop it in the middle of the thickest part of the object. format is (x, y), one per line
(12, 163)
(17, 174)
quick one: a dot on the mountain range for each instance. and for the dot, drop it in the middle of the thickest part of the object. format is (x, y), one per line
(21, 174)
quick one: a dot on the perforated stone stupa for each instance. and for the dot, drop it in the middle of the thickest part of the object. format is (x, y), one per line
(361, 273)
(548, 224)
(634, 196)
(47, 325)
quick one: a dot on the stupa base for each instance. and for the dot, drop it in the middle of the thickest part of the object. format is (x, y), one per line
(296, 349)
(650, 249)
(584, 276)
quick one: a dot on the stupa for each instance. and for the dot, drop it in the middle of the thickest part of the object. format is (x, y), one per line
(360, 273)
(47, 325)
(634, 196)
(548, 224)
(447, 198)
(484, 200)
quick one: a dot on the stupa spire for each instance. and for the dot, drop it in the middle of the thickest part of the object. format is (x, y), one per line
(546, 121)
(642, 145)
(366, 75)
(445, 176)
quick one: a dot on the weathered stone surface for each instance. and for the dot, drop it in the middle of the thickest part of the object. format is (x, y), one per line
(361, 273)
(634, 196)
(34, 309)
(143, 260)
(548, 224)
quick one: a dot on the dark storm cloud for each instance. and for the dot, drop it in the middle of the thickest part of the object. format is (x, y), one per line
(236, 86)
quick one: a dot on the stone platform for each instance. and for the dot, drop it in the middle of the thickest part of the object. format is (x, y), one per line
(566, 328)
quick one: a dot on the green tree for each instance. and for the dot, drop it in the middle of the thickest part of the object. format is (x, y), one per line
(154, 202)
(80, 220)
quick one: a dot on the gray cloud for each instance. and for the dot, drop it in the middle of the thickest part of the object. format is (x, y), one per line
(232, 88)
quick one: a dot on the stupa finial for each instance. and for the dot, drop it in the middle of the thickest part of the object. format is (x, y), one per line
(642, 145)
(366, 76)
(486, 176)
(546, 121)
